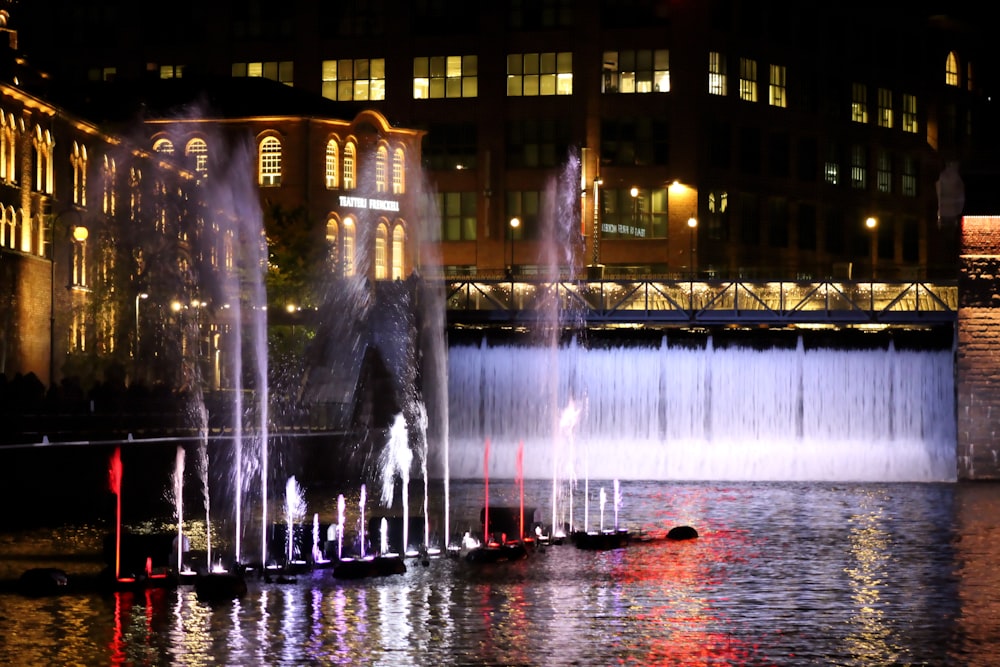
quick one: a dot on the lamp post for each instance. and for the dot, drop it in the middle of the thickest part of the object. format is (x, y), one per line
(78, 234)
(634, 192)
(514, 224)
(871, 223)
(692, 225)
(138, 297)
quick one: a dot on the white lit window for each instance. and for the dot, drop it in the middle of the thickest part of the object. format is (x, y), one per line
(381, 252)
(438, 77)
(381, 160)
(831, 173)
(716, 73)
(398, 242)
(859, 103)
(534, 74)
(909, 113)
(197, 150)
(398, 179)
(858, 167)
(884, 107)
(642, 71)
(776, 91)
(270, 161)
(331, 163)
(348, 256)
(951, 69)
(748, 80)
(359, 79)
(883, 175)
(274, 70)
(348, 170)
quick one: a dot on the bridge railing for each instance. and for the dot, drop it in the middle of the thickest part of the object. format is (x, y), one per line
(693, 302)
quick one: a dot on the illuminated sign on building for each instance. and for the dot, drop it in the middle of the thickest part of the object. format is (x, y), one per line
(365, 202)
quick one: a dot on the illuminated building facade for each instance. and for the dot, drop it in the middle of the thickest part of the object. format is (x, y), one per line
(779, 127)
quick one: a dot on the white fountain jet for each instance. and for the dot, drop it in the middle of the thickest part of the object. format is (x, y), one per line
(295, 510)
(395, 459)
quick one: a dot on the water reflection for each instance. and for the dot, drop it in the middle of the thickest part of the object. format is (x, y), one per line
(782, 574)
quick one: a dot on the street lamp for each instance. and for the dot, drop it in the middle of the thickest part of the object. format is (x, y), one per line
(634, 192)
(140, 295)
(871, 223)
(692, 225)
(514, 224)
(78, 234)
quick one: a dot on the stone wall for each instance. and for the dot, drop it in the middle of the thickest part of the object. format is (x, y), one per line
(977, 363)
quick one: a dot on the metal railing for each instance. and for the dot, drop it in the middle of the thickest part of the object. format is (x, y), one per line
(701, 302)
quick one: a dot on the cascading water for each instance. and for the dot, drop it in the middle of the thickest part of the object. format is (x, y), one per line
(396, 458)
(704, 413)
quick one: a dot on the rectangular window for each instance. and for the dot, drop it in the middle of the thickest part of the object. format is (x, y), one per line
(748, 80)
(639, 216)
(537, 142)
(858, 167)
(536, 74)
(440, 77)
(776, 91)
(717, 225)
(635, 141)
(884, 172)
(643, 71)
(458, 215)
(859, 103)
(831, 173)
(908, 180)
(523, 205)
(716, 73)
(450, 146)
(274, 70)
(909, 113)
(361, 79)
(884, 107)
(171, 71)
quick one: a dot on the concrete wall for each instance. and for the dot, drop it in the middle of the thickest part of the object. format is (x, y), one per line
(977, 363)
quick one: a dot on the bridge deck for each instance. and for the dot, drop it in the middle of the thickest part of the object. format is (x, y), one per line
(701, 302)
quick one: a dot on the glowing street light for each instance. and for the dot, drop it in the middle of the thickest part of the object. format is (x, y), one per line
(514, 224)
(871, 223)
(692, 225)
(138, 297)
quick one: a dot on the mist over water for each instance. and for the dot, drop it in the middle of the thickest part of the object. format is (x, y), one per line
(681, 413)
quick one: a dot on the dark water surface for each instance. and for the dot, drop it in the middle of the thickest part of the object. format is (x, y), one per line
(783, 574)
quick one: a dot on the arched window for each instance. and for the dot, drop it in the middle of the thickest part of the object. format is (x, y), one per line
(347, 256)
(381, 250)
(6, 147)
(270, 162)
(381, 158)
(197, 151)
(109, 203)
(332, 154)
(78, 160)
(164, 146)
(398, 242)
(333, 242)
(398, 180)
(43, 146)
(951, 69)
(349, 166)
(6, 228)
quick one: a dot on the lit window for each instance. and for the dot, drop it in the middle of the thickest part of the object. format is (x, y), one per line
(332, 240)
(78, 331)
(381, 158)
(274, 70)
(43, 145)
(951, 69)
(381, 250)
(644, 71)
(831, 173)
(110, 197)
(331, 163)
(858, 167)
(171, 71)
(270, 161)
(534, 74)
(716, 73)
(79, 268)
(348, 257)
(458, 215)
(884, 173)
(859, 103)
(359, 79)
(908, 180)
(884, 108)
(398, 243)
(748, 80)
(398, 182)
(909, 113)
(776, 91)
(348, 170)
(164, 146)
(197, 150)
(78, 161)
(439, 77)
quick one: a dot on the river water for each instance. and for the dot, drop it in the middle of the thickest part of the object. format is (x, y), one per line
(782, 574)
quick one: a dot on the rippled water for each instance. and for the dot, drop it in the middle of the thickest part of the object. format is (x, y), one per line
(783, 574)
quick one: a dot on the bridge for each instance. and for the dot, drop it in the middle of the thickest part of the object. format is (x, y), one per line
(701, 302)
